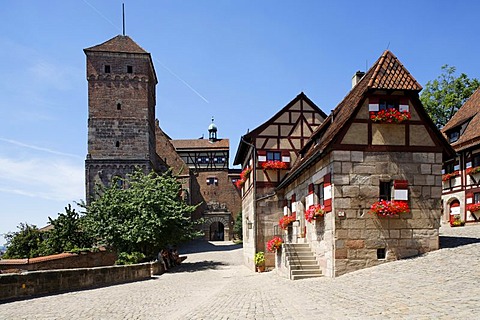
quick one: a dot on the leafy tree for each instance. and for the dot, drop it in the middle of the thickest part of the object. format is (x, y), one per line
(238, 226)
(28, 242)
(443, 96)
(144, 217)
(68, 232)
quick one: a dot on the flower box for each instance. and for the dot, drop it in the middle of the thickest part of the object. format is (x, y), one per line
(390, 116)
(274, 165)
(285, 221)
(274, 244)
(314, 211)
(243, 177)
(448, 176)
(474, 170)
(385, 208)
(473, 207)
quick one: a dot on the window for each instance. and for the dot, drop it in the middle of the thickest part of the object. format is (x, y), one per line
(453, 136)
(388, 104)
(385, 190)
(212, 181)
(449, 167)
(129, 69)
(381, 253)
(219, 160)
(320, 193)
(202, 160)
(476, 197)
(274, 156)
(119, 106)
(117, 144)
(476, 160)
(107, 68)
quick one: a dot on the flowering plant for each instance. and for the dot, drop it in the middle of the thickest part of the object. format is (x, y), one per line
(275, 165)
(389, 208)
(314, 211)
(274, 244)
(472, 207)
(243, 177)
(390, 116)
(473, 170)
(448, 176)
(285, 221)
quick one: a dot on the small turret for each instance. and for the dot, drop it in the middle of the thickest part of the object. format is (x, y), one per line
(212, 132)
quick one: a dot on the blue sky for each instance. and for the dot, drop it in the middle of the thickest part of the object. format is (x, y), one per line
(239, 61)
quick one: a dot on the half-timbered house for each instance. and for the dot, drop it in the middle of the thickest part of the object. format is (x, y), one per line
(266, 154)
(461, 173)
(366, 188)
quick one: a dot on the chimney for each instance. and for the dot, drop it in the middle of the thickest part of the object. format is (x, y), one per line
(357, 77)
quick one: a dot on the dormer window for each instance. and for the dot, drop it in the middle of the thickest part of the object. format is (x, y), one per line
(453, 136)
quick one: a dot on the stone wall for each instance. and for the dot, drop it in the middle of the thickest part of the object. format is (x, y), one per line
(18, 286)
(249, 228)
(360, 237)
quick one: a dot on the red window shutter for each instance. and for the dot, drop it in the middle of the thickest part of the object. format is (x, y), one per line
(373, 100)
(400, 184)
(327, 185)
(311, 188)
(261, 152)
(404, 101)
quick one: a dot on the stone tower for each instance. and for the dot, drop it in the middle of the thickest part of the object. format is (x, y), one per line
(121, 111)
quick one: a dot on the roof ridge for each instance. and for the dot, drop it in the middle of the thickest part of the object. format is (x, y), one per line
(119, 43)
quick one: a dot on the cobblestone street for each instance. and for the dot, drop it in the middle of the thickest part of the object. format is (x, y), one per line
(213, 284)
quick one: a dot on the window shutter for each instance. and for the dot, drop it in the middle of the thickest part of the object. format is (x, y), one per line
(286, 156)
(327, 191)
(294, 204)
(373, 104)
(403, 105)
(311, 188)
(469, 197)
(262, 156)
(400, 190)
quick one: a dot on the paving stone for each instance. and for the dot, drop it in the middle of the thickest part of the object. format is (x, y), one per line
(213, 284)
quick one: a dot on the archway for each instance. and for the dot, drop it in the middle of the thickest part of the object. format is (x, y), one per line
(454, 210)
(217, 231)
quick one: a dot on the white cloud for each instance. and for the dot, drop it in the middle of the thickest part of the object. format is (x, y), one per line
(50, 179)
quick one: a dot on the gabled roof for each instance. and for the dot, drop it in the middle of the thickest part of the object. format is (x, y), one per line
(120, 44)
(248, 137)
(387, 73)
(469, 112)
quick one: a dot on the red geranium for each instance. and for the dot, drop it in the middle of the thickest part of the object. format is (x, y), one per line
(389, 208)
(473, 170)
(472, 207)
(448, 176)
(274, 244)
(314, 211)
(275, 165)
(285, 221)
(243, 177)
(390, 116)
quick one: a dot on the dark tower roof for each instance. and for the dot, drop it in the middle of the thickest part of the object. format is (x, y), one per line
(120, 44)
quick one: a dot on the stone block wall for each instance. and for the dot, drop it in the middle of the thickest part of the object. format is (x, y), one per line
(249, 218)
(17, 286)
(360, 237)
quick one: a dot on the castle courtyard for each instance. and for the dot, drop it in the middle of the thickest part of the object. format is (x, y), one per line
(214, 284)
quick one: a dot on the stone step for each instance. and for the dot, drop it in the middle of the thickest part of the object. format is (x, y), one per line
(303, 272)
(306, 276)
(296, 245)
(302, 258)
(305, 267)
(298, 250)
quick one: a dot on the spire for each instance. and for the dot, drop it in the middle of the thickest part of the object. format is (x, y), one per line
(212, 132)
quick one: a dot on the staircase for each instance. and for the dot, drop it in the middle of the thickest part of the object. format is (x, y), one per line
(301, 262)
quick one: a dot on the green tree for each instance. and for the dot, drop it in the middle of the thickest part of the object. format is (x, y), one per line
(144, 217)
(68, 232)
(443, 96)
(238, 226)
(27, 242)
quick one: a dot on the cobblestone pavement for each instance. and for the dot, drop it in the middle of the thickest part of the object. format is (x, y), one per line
(212, 284)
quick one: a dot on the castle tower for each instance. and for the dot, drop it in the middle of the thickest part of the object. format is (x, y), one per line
(121, 111)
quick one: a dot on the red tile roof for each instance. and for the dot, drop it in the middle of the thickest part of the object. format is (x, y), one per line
(469, 112)
(190, 144)
(36, 260)
(123, 44)
(386, 73)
